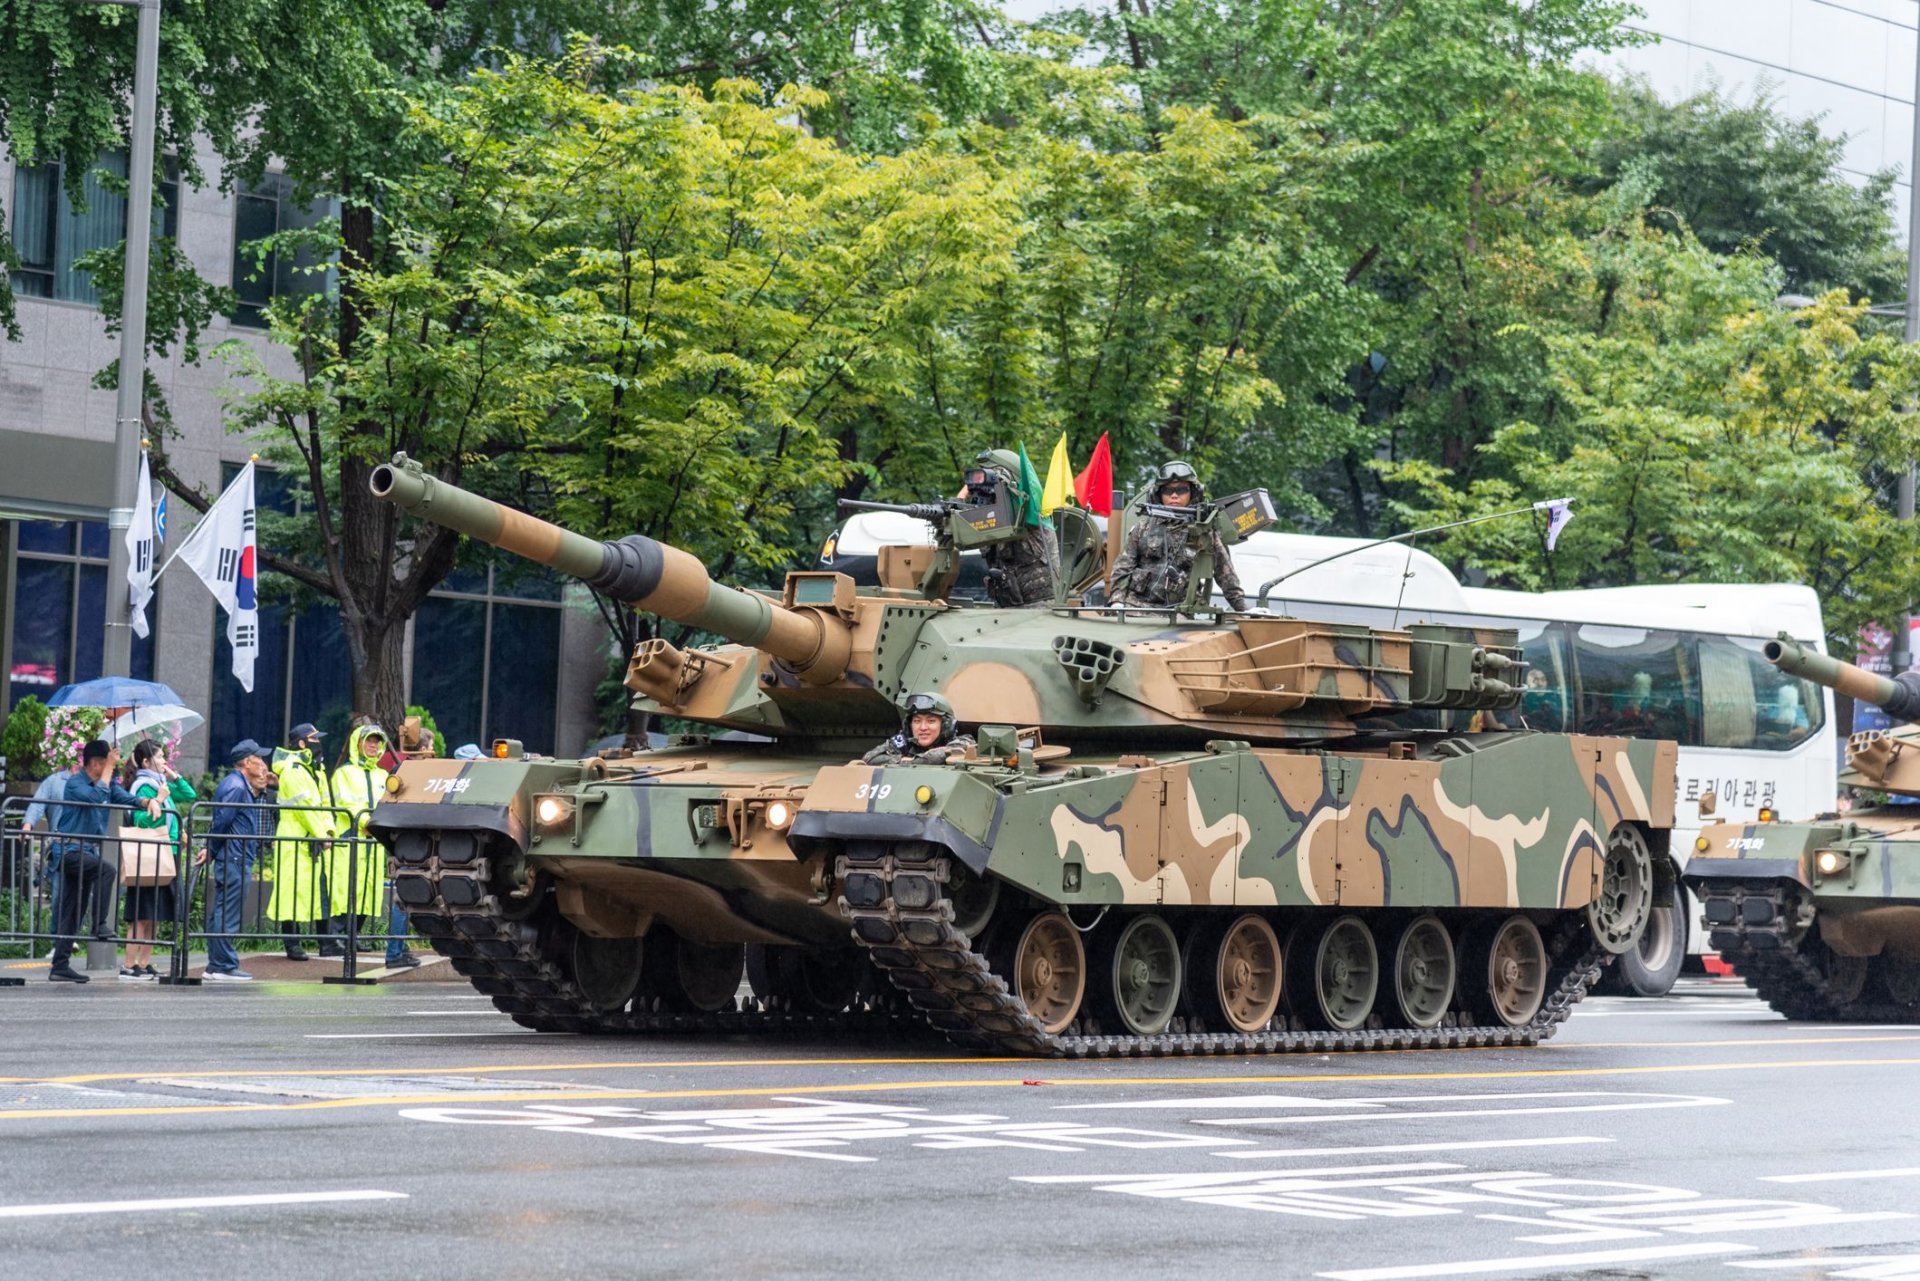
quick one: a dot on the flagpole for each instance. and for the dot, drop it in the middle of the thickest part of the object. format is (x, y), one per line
(1399, 538)
(116, 648)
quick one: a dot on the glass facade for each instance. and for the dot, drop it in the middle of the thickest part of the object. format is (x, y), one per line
(59, 608)
(50, 234)
(262, 274)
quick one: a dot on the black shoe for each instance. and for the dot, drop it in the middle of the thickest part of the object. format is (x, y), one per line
(65, 974)
(332, 950)
(404, 961)
(298, 953)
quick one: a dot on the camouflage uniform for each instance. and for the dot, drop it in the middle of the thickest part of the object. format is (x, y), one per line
(1023, 571)
(902, 750)
(1158, 563)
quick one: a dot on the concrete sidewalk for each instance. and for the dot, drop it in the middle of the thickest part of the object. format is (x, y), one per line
(265, 966)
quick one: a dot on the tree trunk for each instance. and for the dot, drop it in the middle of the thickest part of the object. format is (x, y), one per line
(379, 674)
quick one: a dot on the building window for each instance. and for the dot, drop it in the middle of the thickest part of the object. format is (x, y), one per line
(486, 651)
(50, 233)
(260, 212)
(59, 609)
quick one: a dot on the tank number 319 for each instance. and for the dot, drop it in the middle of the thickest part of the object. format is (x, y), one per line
(873, 791)
(448, 784)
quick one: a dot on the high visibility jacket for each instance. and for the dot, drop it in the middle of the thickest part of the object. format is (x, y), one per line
(357, 788)
(300, 830)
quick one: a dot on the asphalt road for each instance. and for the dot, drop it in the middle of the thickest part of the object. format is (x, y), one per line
(409, 1131)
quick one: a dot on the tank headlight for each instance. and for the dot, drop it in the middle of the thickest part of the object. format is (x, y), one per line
(393, 784)
(1766, 815)
(923, 794)
(779, 815)
(1700, 844)
(1830, 862)
(552, 811)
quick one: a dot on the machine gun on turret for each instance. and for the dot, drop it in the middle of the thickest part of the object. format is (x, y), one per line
(1234, 518)
(984, 517)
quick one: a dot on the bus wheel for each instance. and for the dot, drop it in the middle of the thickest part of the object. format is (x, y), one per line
(1650, 968)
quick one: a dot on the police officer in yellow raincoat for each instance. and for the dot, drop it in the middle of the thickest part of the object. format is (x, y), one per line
(301, 862)
(358, 785)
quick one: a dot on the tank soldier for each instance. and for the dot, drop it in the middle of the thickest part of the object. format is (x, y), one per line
(926, 735)
(1020, 571)
(1157, 563)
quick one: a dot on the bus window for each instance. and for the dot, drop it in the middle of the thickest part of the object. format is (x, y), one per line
(1748, 702)
(1634, 682)
(1543, 701)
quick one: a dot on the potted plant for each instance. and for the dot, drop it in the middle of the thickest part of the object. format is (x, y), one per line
(20, 743)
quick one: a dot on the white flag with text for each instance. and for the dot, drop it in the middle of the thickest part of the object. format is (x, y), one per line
(221, 550)
(140, 551)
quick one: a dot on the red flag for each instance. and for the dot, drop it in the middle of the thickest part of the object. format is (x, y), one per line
(1094, 486)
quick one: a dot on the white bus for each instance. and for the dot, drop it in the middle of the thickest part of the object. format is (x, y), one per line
(1671, 661)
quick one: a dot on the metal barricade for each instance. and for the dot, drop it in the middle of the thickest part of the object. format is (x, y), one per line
(42, 869)
(291, 872)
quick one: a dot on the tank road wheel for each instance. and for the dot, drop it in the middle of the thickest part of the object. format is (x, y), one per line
(804, 980)
(1511, 971)
(1900, 976)
(1336, 988)
(1423, 974)
(972, 897)
(685, 975)
(1143, 975)
(1619, 910)
(1245, 971)
(1050, 970)
(607, 970)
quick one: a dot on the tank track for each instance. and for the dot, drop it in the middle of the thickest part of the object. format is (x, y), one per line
(896, 900)
(509, 957)
(1755, 927)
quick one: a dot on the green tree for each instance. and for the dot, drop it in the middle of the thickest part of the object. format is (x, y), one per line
(1706, 435)
(640, 311)
(1747, 178)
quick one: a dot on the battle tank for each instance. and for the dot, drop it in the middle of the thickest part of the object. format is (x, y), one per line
(1822, 918)
(1208, 834)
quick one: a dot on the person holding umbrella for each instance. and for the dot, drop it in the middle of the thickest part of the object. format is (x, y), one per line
(84, 815)
(153, 779)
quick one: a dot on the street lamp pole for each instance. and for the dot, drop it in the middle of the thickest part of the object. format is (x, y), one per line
(117, 645)
(1902, 656)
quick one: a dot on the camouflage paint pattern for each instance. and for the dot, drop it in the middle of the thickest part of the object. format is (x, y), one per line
(1873, 904)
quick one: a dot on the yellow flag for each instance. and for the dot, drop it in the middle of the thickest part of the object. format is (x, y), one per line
(1058, 491)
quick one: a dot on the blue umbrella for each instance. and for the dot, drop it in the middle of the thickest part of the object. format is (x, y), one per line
(113, 691)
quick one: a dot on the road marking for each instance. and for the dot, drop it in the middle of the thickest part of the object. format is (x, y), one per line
(193, 1203)
(402, 1036)
(1859, 1265)
(1840, 1176)
(1385, 1109)
(1536, 1262)
(96, 1078)
(1473, 1145)
(873, 1087)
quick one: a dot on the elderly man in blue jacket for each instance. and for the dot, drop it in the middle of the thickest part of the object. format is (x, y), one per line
(233, 847)
(85, 810)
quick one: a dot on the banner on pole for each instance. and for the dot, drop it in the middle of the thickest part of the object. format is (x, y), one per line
(140, 551)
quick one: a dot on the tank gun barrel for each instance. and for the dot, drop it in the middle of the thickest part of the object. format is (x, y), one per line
(1898, 695)
(643, 572)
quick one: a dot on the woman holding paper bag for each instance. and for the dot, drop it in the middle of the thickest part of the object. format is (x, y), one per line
(149, 904)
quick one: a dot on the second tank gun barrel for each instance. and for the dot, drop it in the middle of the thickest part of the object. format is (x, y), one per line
(1899, 695)
(648, 574)
(921, 511)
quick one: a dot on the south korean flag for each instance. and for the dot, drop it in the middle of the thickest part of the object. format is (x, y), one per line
(221, 550)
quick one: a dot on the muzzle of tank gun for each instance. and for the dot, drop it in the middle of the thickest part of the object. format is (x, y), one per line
(1898, 696)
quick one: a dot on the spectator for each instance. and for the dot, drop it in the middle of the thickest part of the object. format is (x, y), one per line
(307, 886)
(39, 817)
(358, 785)
(233, 847)
(153, 779)
(83, 814)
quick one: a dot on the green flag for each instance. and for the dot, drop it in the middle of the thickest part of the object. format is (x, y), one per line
(1030, 488)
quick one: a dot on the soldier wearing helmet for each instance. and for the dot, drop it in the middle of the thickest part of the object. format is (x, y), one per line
(926, 735)
(1020, 571)
(1157, 563)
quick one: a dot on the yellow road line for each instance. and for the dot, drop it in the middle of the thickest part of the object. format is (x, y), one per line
(90, 1078)
(506, 1069)
(475, 1098)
